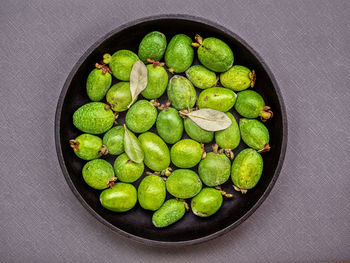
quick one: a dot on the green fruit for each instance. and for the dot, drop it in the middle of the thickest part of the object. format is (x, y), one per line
(238, 78)
(151, 192)
(97, 84)
(121, 64)
(94, 117)
(230, 137)
(179, 53)
(141, 116)
(197, 133)
(152, 46)
(157, 81)
(119, 96)
(157, 157)
(251, 105)
(214, 169)
(126, 170)
(254, 134)
(170, 125)
(207, 202)
(217, 98)
(181, 93)
(186, 153)
(201, 77)
(121, 198)
(114, 140)
(183, 183)
(169, 213)
(88, 147)
(215, 54)
(98, 173)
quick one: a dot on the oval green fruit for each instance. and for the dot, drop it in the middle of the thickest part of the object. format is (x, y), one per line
(214, 169)
(157, 81)
(170, 125)
(97, 84)
(254, 134)
(157, 157)
(183, 183)
(217, 98)
(141, 116)
(94, 118)
(121, 198)
(114, 140)
(181, 93)
(121, 64)
(230, 137)
(179, 53)
(126, 170)
(238, 78)
(201, 77)
(88, 147)
(97, 173)
(197, 133)
(152, 46)
(151, 192)
(119, 96)
(207, 202)
(169, 213)
(186, 153)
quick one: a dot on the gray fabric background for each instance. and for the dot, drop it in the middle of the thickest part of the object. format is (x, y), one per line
(306, 218)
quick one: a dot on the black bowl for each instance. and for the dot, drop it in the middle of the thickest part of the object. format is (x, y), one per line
(136, 224)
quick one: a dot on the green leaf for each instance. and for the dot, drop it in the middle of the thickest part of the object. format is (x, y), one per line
(132, 146)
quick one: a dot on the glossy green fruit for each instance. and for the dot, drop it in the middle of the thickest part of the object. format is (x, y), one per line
(97, 84)
(251, 105)
(97, 173)
(141, 116)
(238, 78)
(157, 156)
(183, 183)
(247, 169)
(181, 93)
(170, 125)
(197, 133)
(230, 137)
(207, 202)
(254, 134)
(119, 96)
(126, 170)
(214, 169)
(151, 192)
(88, 147)
(169, 213)
(157, 82)
(179, 53)
(201, 77)
(186, 153)
(152, 46)
(217, 98)
(114, 140)
(121, 198)
(121, 64)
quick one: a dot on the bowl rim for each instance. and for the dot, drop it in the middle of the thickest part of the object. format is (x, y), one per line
(89, 208)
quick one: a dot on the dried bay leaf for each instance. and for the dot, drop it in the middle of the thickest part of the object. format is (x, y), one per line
(138, 80)
(132, 146)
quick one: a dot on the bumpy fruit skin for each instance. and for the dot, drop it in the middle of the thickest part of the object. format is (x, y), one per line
(121, 64)
(170, 125)
(97, 173)
(237, 78)
(183, 183)
(97, 84)
(119, 96)
(186, 153)
(197, 133)
(247, 169)
(157, 82)
(179, 53)
(141, 116)
(207, 202)
(250, 104)
(151, 192)
(88, 147)
(254, 133)
(230, 137)
(181, 93)
(121, 198)
(157, 156)
(114, 140)
(169, 213)
(126, 170)
(93, 118)
(201, 77)
(152, 46)
(214, 169)
(217, 98)
(215, 54)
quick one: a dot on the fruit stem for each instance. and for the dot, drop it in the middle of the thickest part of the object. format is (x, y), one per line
(155, 63)
(265, 114)
(204, 153)
(166, 172)
(171, 70)
(243, 191)
(223, 192)
(217, 81)
(107, 58)
(229, 153)
(215, 148)
(103, 151)
(74, 144)
(265, 149)
(116, 115)
(187, 207)
(104, 68)
(112, 181)
(252, 77)
(183, 113)
(108, 107)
